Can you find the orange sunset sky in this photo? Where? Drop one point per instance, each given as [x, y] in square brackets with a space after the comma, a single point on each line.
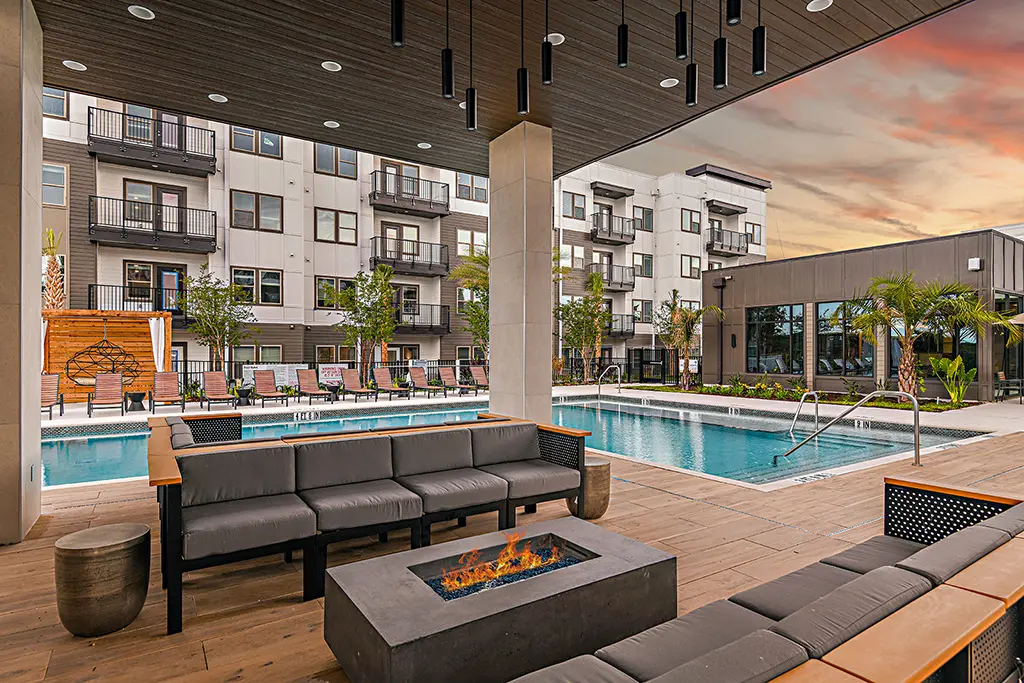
[919, 135]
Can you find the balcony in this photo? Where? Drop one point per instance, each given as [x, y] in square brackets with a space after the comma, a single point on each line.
[727, 243]
[133, 298]
[151, 143]
[422, 319]
[409, 196]
[125, 223]
[616, 278]
[614, 230]
[622, 325]
[409, 257]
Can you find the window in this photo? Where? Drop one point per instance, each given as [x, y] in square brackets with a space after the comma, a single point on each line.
[138, 278]
[841, 350]
[256, 142]
[244, 354]
[1006, 356]
[643, 310]
[473, 187]
[55, 103]
[690, 267]
[346, 353]
[270, 286]
[471, 242]
[325, 354]
[775, 339]
[243, 139]
[464, 296]
[270, 354]
[407, 298]
[335, 226]
[714, 265]
[643, 265]
[643, 218]
[55, 184]
[467, 354]
[246, 206]
[753, 231]
[579, 259]
[691, 221]
[574, 205]
[332, 160]
[936, 344]
[325, 286]
[138, 123]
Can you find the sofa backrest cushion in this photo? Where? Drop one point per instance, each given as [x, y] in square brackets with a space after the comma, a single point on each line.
[244, 472]
[342, 461]
[172, 420]
[941, 560]
[181, 436]
[1011, 521]
[431, 451]
[755, 658]
[495, 444]
[833, 619]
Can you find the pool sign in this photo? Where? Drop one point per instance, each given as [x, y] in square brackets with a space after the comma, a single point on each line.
[330, 373]
[284, 373]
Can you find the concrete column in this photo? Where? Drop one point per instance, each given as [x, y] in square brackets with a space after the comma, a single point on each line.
[520, 245]
[21, 217]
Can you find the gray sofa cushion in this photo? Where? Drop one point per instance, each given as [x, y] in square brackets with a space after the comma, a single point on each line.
[1011, 521]
[221, 528]
[181, 435]
[172, 421]
[941, 560]
[534, 477]
[658, 650]
[454, 489]
[447, 449]
[828, 622]
[585, 669]
[242, 472]
[361, 504]
[755, 658]
[494, 444]
[779, 598]
[880, 551]
[343, 461]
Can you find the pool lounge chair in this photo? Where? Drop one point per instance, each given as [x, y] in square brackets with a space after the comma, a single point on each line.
[310, 386]
[382, 376]
[1003, 387]
[351, 384]
[215, 390]
[418, 382]
[165, 391]
[50, 395]
[449, 381]
[266, 388]
[479, 377]
[108, 393]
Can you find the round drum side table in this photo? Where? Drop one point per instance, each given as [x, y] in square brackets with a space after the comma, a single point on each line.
[597, 482]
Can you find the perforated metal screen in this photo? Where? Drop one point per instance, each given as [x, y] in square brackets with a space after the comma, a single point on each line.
[213, 429]
[929, 516]
[561, 449]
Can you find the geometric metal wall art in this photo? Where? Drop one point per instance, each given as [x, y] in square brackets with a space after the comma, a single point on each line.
[102, 357]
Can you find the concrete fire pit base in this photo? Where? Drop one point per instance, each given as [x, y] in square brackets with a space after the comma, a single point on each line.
[385, 624]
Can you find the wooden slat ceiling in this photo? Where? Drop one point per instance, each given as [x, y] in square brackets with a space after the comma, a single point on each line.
[265, 56]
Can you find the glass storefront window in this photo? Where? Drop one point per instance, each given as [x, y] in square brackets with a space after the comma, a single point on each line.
[842, 350]
[775, 339]
[1006, 358]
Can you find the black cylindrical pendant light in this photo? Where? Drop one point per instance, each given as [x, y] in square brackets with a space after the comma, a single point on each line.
[721, 76]
[545, 51]
[691, 68]
[681, 52]
[398, 23]
[760, 46]
[733, 12]
[447, 63]
[522, 75]
[470, 91]
[623, 39]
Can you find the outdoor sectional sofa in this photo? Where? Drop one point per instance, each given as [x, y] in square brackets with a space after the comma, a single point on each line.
[934, 599]
[224, 500]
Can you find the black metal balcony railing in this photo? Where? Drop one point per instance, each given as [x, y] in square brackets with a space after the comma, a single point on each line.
[727, 242]
[621, 325]
[131, 223]
[616, 278]
[409, 256]
[404, 194]
[139, 298]
[140, 139]
[427, 318]
[612, 229]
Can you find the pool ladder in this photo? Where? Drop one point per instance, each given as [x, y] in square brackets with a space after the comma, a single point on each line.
[872, 395]
[618, 372]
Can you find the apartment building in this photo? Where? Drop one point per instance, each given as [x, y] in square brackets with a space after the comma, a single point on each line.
[144, 198]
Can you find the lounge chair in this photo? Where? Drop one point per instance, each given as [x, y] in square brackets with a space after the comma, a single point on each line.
[418, 382]
[449, 381]
[108, 393]
[310, 386]
[165, 391]
[1002, 388]
[351, 384]
[479, 376]
[215, 390]
[382, 376]
[266, 388]
[50, 395]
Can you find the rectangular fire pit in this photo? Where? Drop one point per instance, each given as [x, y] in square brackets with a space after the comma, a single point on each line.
[487, 609]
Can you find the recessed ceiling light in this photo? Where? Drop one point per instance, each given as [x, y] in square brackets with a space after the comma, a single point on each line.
[73, 65]
[140, 12]
[462, 105]
[556, 38]
[424, 145]
[331, 124]
[818, 5]
[219, 99]
[669, 83]
[331, 66]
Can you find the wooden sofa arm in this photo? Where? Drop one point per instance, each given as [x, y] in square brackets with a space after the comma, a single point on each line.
[927, 512]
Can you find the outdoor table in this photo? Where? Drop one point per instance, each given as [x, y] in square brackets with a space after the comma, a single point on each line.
[335, 389]
[136, 399]
[243, 396]
[597, 487]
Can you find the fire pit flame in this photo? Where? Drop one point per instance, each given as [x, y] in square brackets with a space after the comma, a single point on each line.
[511, 560]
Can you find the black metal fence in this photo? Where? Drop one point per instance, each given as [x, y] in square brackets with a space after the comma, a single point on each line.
[641, 366]
[134, 298]
[129, 130]
[389, 184]
[614, 277]
[132, 216]
[409, 255]
[605, 226]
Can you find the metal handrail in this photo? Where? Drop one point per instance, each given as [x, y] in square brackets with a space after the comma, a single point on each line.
[873, 394]
[800, 407]
[618, 371]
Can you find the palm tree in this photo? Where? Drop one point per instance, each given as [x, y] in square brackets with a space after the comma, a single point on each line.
[907, 310]
[473, 273]
[676, 323]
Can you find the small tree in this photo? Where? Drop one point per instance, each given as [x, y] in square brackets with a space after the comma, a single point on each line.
[54, 297]
[368, 313]
[584, 320]
[219, 313]
[474, 274]
[676, 323]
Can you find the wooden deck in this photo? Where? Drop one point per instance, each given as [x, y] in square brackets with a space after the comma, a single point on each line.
[248, 622]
